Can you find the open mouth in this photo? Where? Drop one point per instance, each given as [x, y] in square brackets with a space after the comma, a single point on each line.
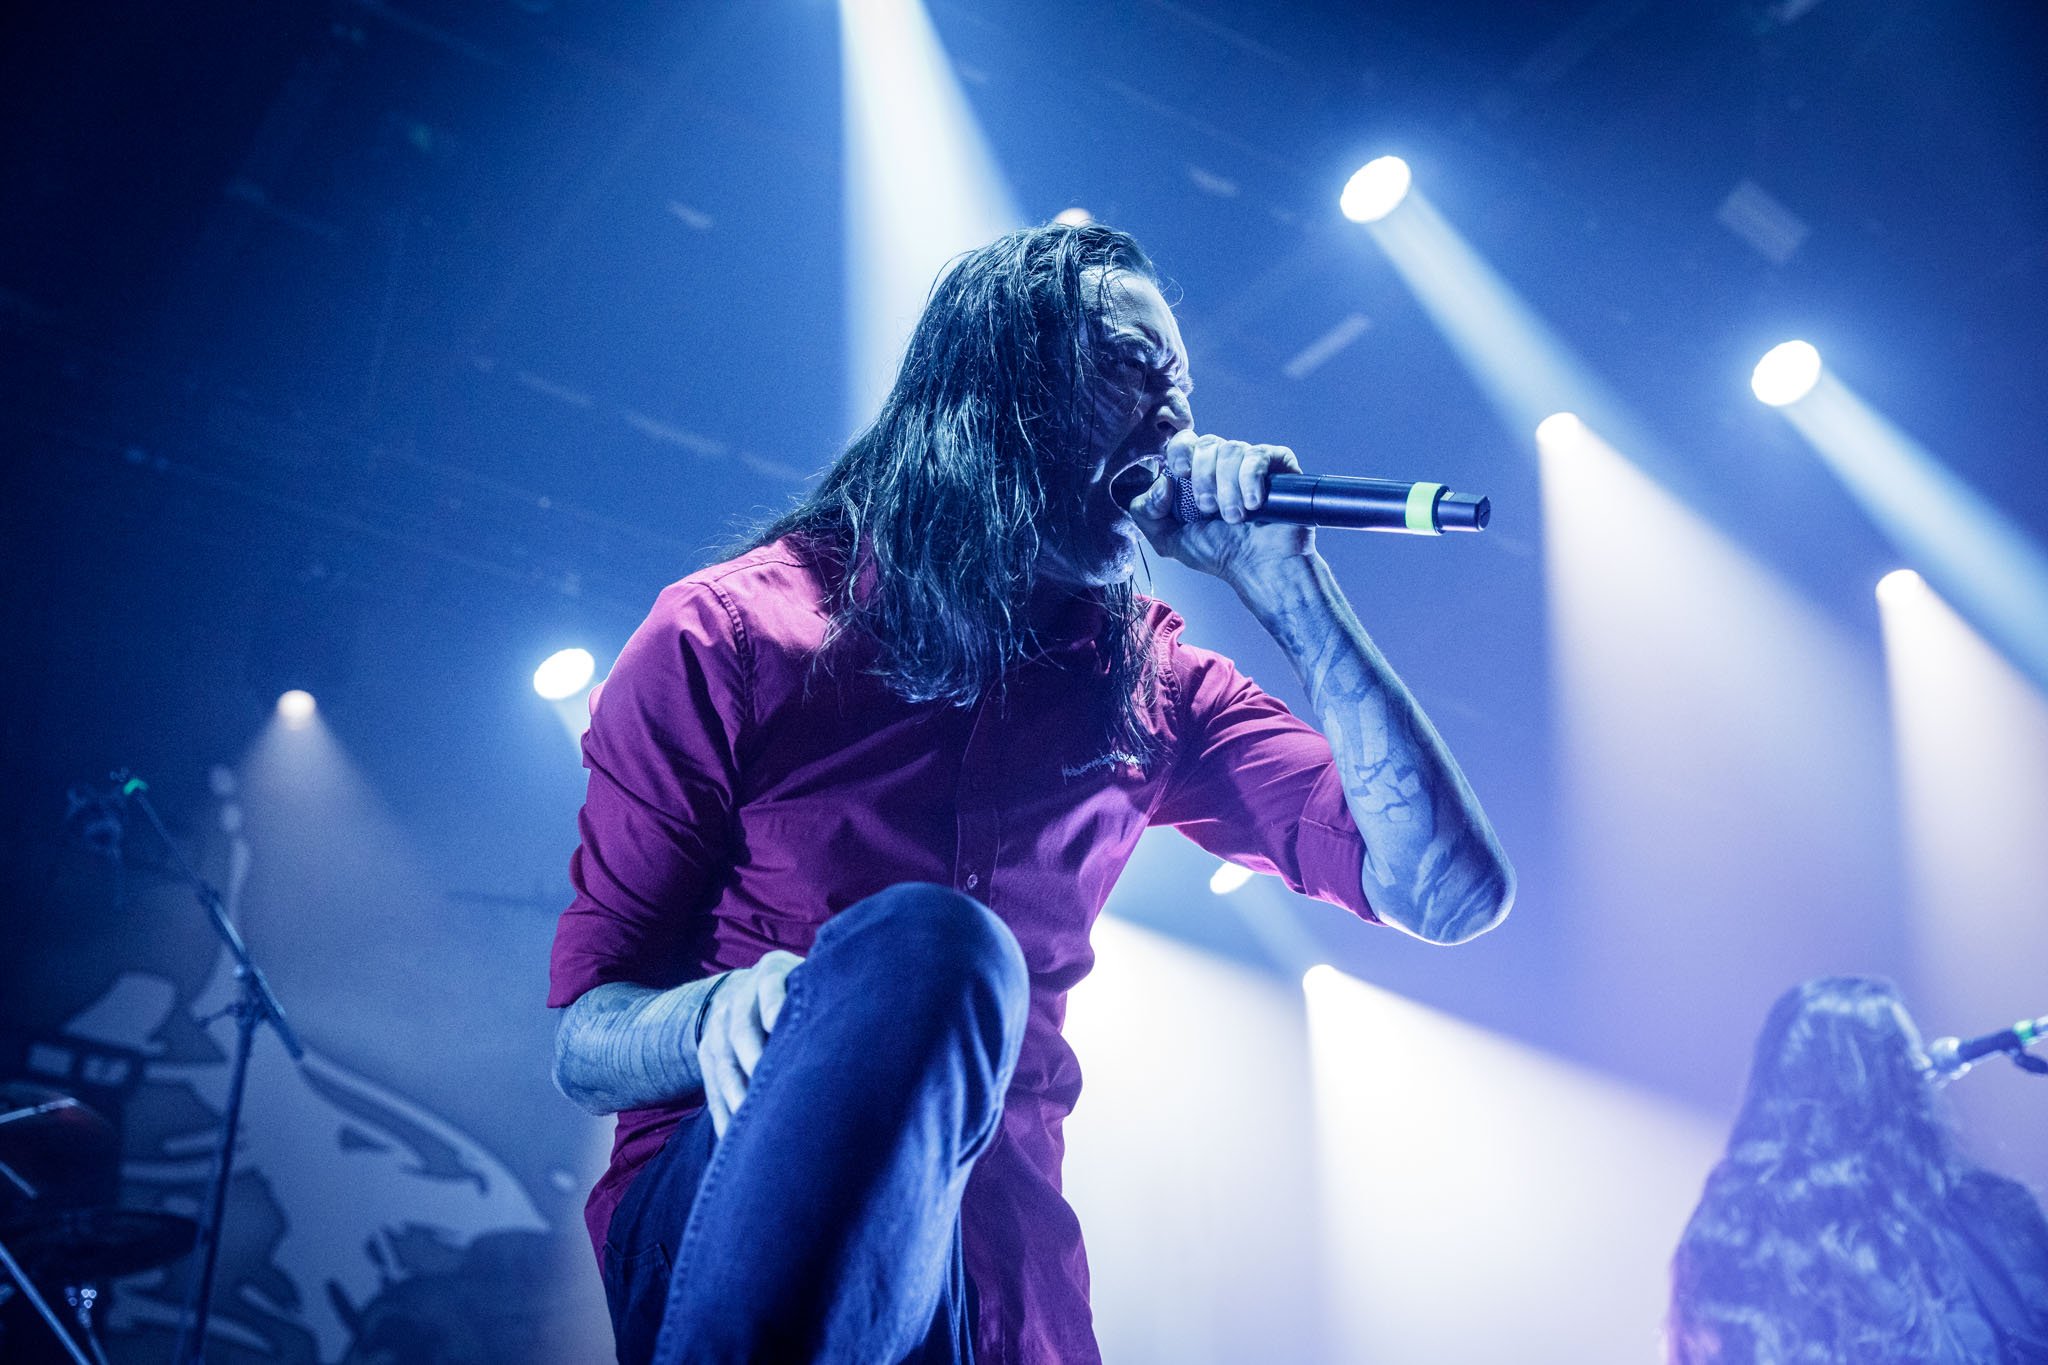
[1129, 485]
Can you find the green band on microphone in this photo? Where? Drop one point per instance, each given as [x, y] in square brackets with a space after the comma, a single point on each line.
[2027, 1031]
[1422, 508]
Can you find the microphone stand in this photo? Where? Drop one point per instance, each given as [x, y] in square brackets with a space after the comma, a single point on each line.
[254, 1004]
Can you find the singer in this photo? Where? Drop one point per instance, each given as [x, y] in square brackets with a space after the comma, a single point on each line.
[1845, 1224]
[857, 795]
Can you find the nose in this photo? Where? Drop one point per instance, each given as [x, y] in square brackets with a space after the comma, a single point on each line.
[1173, 415]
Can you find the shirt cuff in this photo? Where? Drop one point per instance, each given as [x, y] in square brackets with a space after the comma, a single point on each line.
[1329, 850]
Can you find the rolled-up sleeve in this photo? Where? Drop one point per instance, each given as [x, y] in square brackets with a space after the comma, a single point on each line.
[1256, 785]
[665, 727]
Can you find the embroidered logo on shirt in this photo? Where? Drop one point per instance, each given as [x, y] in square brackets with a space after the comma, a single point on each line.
[1116, 760]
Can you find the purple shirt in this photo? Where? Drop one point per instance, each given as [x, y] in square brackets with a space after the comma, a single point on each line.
[739, 798]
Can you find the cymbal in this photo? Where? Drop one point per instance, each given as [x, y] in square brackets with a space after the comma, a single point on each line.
[61, 1148]
[82, 1246]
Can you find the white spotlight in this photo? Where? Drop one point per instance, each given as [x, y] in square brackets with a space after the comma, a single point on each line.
[1560, 431]
[1899, 587]
[564, 673]
[1786, 374]
[1228, 877]
[295, 708]
[1074, 217]
[1376, 190]
[1320, 976]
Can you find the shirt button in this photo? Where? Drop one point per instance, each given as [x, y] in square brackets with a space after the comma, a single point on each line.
[973, 881]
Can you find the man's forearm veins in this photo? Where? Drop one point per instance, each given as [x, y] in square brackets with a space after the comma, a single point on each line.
[621, 1046]
[1431, 863]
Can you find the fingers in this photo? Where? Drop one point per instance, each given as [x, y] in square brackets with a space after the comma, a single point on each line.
[775, 986]
[714, 1100]
[749, 1034]
[736, 1030]
[1152, 508]
[1202, 471]
[725, 1084]
[1229, 477]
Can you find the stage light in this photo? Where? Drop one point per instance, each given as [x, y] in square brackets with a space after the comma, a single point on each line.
[1988, 566]
[1376, 190]
[921, 183]
[1560, 431]
[1524, 369]
[1682, 668]
[1228, 877]
[1971, 761]
[1786, 374]
[295, 708]
[1898, 586]
[564, 673]
[1074, 217]
[1581, 1206]
[1158, 1020]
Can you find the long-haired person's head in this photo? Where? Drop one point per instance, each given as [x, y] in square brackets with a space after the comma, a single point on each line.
[1822, 1234]
[1044, 365]
[1840, 1067]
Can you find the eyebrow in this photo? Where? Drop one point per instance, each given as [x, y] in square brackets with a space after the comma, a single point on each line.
[1140, 332]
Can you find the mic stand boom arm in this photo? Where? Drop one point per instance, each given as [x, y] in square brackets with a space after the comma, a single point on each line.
[255, 1004]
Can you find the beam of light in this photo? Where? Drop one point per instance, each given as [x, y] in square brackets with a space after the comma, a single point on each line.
[1972, 739]
[297, 709]
[1786, 374]
[1190, 1156]
[1562, 432]
[921, 184]
[1228, 877]
[573, 713]
[1460, 1166]
[344, 914]
[1723, 783]
[1899, 587]
[1521, 366]
[1376, 189]
[1969, 550]
[564, 674]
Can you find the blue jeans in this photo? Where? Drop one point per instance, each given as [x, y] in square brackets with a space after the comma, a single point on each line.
[825, 1224]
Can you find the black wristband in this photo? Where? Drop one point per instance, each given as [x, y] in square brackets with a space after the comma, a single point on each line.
[704, 1007]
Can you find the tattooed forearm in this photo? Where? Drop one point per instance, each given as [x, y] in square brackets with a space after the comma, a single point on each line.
[621, 1046]
[1432, 863]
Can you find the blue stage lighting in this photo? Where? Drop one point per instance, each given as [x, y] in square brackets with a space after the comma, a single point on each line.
[1899, 586]
[564, 673]
[1376, 190]
[1786, 374]
[1560, 432]
[295, 708]
[1228, 877]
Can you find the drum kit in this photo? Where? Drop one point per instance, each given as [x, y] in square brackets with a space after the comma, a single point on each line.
[60, 1159]
[62, 1236]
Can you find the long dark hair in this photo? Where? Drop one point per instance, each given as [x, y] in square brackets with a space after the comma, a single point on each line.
[935, 517]
[1830, 1231]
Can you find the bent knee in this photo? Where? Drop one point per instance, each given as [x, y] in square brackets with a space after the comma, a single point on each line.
[946, 938]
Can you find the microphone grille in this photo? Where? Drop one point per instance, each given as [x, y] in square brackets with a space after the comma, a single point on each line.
[1184, 505]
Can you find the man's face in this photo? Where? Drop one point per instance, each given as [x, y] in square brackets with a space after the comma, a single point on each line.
[1140, 403]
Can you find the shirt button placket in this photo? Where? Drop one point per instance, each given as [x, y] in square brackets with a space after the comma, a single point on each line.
[977, 818]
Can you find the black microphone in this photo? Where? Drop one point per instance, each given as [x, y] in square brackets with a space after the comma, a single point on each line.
[1426, 509]
[1953, 1056]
